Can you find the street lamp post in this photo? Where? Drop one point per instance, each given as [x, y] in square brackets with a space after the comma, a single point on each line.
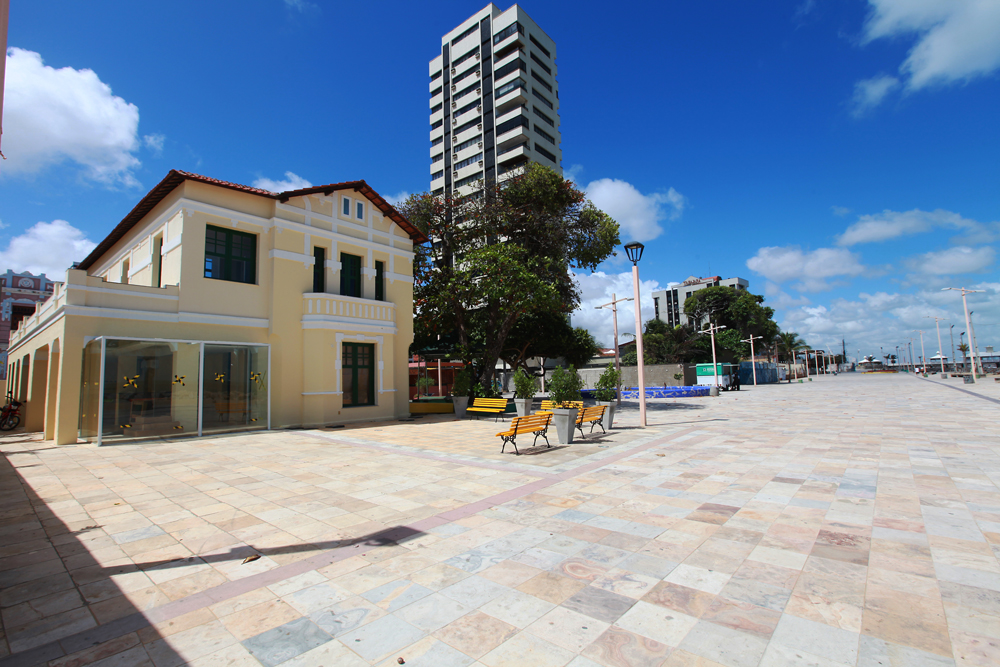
[614, 313]
[968, 326]
[753, 361]
[634, 252]
[954, 361]
[912, 368]
[937, 323]
[923, 352]
[974, 345]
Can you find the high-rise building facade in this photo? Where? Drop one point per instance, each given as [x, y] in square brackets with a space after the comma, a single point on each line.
[668, 304]
[494, 101]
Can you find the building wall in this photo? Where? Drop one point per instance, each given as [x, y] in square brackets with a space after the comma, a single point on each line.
[305, 331]
[18, 291]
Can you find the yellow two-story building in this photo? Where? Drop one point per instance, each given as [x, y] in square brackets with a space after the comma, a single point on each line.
[215, 306]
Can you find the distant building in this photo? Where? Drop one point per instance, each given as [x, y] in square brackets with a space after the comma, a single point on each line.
[19, 292]
[668, 304]
[494, 101]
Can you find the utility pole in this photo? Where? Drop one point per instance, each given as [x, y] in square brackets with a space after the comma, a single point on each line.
[614, 312]
[975, 346]
[753, 361]
[937, 322]
[712, 328]
[968, 324]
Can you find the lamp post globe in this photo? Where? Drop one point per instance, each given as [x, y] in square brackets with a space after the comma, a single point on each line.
[634, 251]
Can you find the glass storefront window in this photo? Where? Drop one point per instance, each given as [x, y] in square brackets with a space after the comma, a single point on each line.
[235, 388]
[151, 388]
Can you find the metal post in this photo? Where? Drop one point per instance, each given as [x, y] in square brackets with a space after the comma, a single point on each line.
[937, 323]
[100, 398]
[614, 314]
[923, 352]
[753, 360]
[954, 361]
[968, 327]
[201, 387]
[638, 346]
[975, 346]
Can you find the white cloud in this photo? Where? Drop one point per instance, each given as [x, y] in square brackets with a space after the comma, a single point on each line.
[154, 142]
[53, 115]
[869, 93]
[639, 215]
[596, 289]
[892, 224]
[811, 268]
[953, 261]
[889, 319]
[397, 198]
[292, 182]
[47, 247]
[956, 40]
[840, 211]
[573, 173]
[781, 300]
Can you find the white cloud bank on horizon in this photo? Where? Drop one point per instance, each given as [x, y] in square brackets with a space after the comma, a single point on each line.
[46, 247]
[638, 215]
[956, 41]
[886, 319]
[400, 196]
[292, 182]
[57, 115]
[811, 268]
[596, 289]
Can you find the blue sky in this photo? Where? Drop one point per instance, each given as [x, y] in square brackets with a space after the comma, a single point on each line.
[839, 154]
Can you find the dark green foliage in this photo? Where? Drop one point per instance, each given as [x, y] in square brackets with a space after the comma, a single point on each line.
[565, 385]
[607, 385]
[463, 381]
[500, 256]
[525, 386]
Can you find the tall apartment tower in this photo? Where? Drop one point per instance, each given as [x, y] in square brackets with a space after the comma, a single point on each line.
[494, 101]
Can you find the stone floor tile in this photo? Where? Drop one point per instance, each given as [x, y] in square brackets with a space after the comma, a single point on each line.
[527, 649]
[286, 641]
[330, 654]
[834, 643]
[567, 628]
[874, 652]
[434, 611]
[661, 624]
[475, 634]
[620, 647]
[724, 645]
[517, 608]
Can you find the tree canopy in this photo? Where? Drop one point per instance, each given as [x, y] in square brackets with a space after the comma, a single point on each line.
[740, 311]
[502, 254]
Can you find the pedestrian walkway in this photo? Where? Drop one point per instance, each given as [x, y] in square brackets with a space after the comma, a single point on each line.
[851, 520]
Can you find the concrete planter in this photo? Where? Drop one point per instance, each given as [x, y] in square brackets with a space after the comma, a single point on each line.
[460, 403]
[523, 406]
[565, 421]
[714, 390]
[609, 413]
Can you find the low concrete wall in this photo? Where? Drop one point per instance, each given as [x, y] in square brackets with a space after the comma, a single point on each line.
[656, 376]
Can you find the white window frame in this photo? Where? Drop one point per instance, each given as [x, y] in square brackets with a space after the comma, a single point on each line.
[347, 203]
[359, 210]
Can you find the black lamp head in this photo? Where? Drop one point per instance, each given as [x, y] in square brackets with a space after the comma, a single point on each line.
[634, 251]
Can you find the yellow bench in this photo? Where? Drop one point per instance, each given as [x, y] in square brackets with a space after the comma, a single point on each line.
[549, 405]
[593, 416]
[536, 423]
[494, 406]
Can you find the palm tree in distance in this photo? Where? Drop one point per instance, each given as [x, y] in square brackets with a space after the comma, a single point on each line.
[788, 343]
[964, 349]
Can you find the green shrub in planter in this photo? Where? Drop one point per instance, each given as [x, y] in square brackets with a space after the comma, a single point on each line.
[485, 391]
[607, 384]
[424, 385]
[565, 385]
[525, 386]
[463, 380]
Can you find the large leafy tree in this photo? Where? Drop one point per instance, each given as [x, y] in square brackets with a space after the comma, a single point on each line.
[502, 254]
[788, 343]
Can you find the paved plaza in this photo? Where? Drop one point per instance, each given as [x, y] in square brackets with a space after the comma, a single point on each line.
[851, 520]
